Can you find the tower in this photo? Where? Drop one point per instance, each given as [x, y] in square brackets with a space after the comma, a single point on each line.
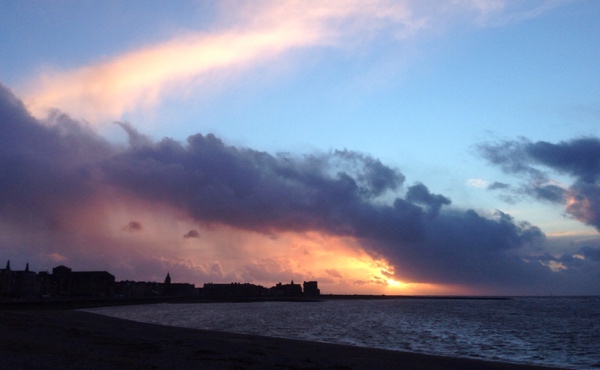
[167, 285]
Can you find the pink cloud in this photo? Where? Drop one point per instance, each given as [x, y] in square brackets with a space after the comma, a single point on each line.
[244, 37]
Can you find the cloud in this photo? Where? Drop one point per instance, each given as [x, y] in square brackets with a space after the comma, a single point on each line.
[498, 186]
[47, 172]
[477, 183]
[280, 269]
[244, 36]
[192, 234]
[76, 191]
[592, 253]
[537, 162]
[56, 257]
[133, 227]
[419, 194]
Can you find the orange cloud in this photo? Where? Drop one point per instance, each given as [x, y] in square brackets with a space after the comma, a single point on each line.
[248, 35]
[579, 206]
[141, 78]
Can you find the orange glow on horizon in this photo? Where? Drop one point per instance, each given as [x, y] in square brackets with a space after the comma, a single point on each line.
[223, 254]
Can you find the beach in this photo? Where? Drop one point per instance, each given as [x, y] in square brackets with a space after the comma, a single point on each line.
[51, 339]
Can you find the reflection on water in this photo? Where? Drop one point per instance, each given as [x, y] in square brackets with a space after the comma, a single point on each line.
[562, 332]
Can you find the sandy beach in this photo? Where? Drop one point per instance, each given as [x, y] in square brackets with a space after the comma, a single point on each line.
[68, 339]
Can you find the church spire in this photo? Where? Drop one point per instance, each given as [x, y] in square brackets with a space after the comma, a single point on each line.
[167, 285]
[8, 265]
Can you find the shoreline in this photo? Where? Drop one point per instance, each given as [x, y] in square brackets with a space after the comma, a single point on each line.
[48, 339]
[81, 303]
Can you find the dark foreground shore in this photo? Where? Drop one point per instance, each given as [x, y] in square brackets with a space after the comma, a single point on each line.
[52, 339]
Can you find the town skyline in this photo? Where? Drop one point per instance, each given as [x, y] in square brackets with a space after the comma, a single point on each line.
[65, 283]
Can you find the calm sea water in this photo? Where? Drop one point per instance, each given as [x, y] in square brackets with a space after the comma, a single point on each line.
[560, 332]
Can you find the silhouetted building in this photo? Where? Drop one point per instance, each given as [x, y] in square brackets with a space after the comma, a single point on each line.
[97, 284]
[17, 284]
[311, 288]
[286, 290]
[167, 285]
[61, 282]
[178, 289]
[6, 281]
[137, 289]
[66, 283]
[43, 284]
[140, 289]
[211, 290]
[183, 290]
[24, 283]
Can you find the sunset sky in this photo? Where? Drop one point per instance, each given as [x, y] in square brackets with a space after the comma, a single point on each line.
[384, 147]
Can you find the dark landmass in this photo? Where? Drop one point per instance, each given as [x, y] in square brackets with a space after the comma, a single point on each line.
[52, 339]
[103, 302]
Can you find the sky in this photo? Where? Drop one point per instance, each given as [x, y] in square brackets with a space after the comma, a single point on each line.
[378, 147]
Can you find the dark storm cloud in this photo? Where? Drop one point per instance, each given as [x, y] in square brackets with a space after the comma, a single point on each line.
[50, 171]
[419, 194]
[44, 170]
[377, 177]
[550, 193]
[579, 159]
[255, 190]
[462, 246]
[592, 253]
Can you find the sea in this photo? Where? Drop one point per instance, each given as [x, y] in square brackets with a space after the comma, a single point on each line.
[562, 332]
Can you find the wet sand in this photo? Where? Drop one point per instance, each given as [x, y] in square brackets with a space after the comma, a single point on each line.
[67, 339]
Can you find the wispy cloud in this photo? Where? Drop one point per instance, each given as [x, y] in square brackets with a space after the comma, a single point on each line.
[477, 183]
[264, 31]
[247, 35]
